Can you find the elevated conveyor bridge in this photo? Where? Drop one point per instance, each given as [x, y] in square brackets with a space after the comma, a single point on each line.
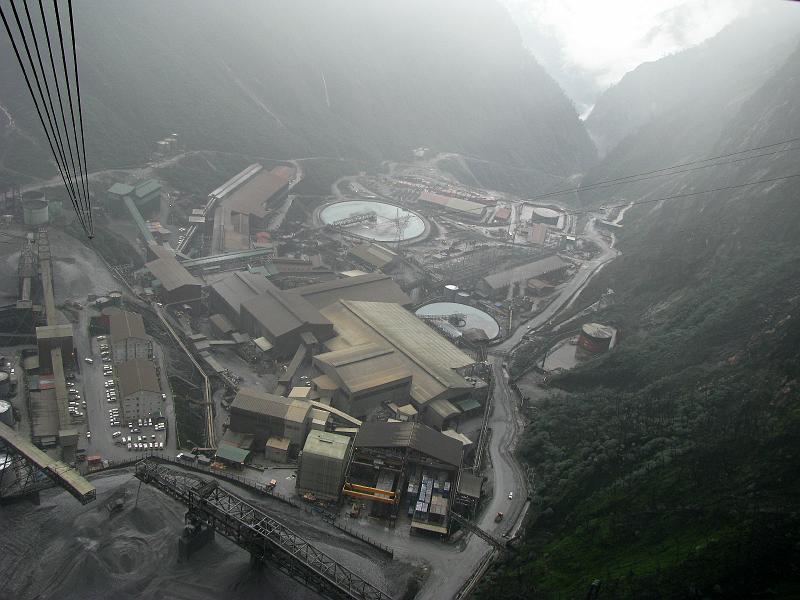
[24, 470]
[254, 530]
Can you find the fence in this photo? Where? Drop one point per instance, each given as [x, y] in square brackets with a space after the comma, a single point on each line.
[262, 489]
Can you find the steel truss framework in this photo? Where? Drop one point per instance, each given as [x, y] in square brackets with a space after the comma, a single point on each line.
[21, 477]
[252, 529]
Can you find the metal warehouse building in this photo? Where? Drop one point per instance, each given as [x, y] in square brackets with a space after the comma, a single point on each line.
[139, 389]
[497, 283]
[129, 340]
[175, 282]
[282, 319]
[408, 465]
[376, 287]
[398, 338]
[266, 415]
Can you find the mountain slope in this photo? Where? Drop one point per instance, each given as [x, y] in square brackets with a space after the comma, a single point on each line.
[665, 469]
[283, 79]
[711, 79]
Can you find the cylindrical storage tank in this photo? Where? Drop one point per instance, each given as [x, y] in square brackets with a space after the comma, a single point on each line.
[595, 337]
[450, 291]
[115, 298]
[34, 209]
[6, 412]
[545, 215]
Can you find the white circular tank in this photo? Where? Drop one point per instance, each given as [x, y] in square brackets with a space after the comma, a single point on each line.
[6, 413]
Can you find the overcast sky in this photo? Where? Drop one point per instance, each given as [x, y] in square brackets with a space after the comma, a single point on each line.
[588, 45]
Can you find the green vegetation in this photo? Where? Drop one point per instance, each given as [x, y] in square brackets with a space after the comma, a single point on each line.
[666, 469]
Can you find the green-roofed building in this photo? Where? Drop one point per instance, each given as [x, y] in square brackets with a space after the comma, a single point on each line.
[232, 454]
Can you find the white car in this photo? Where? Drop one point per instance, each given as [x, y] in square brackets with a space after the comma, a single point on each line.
[510, 495]
[88, 435]
[130, 445]
[88, 360]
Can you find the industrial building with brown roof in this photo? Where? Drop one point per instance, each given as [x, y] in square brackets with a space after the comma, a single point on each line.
[497, 282]
[177, 284]
[376, 287]
[227, 294]
[433, 362]
[416, 436]
[367, 376]
[374, 255]
[267, 415]
[281, 318]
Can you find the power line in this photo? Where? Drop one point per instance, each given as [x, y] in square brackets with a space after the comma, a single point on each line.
[52, 111]
[687, 194]
[61, 101]
[664, 170]
[80, 112]
[29, 85]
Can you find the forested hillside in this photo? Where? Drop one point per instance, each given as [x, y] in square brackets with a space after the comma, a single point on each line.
[284, 79]
[666, 469]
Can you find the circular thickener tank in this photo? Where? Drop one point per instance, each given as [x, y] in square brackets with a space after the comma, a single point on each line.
[6, 413]
[390, 224]
[468, 317]
[596, 337]
[545, 215]
[34, 211]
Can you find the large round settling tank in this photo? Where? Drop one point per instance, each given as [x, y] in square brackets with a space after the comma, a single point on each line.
[34, 209]
[595, 337]
[454, 318]
[390, 223]
[547, 216]
[6, 412]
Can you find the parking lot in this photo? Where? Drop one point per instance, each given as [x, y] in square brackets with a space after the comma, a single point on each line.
[108, 434]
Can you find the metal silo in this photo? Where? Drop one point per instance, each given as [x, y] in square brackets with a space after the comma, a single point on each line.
[6, 413]
[34, 209]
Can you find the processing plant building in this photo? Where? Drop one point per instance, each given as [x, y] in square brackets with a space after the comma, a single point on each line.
[377, 345]
[266, 416]
[139, 389]
[322, 465]
[129, 341]
[406, 465]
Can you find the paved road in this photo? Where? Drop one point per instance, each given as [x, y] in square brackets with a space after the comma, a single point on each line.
[567, 292]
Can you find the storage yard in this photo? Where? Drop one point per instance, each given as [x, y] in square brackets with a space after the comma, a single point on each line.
[344, 366]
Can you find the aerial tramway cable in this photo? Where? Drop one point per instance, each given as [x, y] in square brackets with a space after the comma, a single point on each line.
[75, 179]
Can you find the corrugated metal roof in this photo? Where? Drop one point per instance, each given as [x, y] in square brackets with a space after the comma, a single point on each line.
[280, 313]
[278, 442]
[126, 325]
[251, 196]
[420, 437]
[232, 453]
[373, 254]
[53, 331]
[137, 375]
[376, 287]
[323, 443]
[430, 358]
[525, 272]
[147, 187]
[365, 367]
[239, 287]
[271, 405]
[221, 322]
[171, 274]
[450, 203]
